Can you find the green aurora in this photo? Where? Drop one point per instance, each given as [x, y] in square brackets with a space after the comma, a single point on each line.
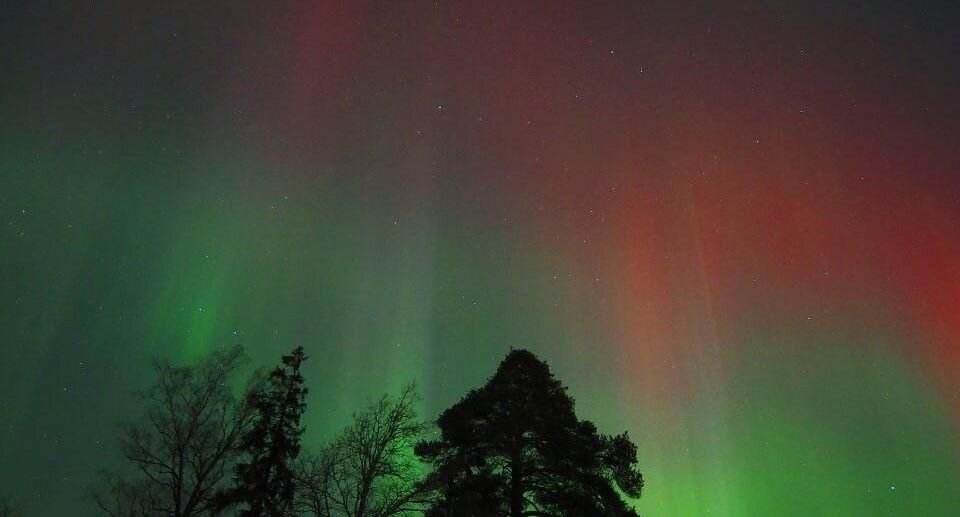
[160, 197]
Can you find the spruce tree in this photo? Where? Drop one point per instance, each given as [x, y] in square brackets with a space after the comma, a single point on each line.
[265, 481]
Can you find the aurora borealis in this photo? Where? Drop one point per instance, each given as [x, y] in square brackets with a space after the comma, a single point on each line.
[731, 228]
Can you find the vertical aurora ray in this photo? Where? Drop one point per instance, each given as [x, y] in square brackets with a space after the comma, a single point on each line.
[732, 230]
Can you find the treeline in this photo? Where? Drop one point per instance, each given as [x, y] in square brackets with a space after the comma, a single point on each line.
[513, 447]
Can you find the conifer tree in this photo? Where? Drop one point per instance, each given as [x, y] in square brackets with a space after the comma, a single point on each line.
[516, 448]
[265, 481]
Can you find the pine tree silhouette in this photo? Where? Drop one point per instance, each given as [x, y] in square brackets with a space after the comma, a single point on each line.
[515, 447]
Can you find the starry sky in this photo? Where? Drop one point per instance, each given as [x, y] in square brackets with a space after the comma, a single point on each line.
[732, 228]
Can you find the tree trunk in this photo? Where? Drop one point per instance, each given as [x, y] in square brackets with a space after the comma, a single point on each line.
[516, 484]
[363, 496]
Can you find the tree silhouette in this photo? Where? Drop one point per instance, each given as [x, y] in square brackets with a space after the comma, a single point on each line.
[369, 470]
[516, 448]
[315, 483]
[265, 481]
[182, 450]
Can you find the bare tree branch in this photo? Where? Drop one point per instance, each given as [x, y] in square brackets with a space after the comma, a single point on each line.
[181, 451]
[370, 470]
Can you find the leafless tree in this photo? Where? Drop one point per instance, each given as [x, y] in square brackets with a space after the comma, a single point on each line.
[370, 469]
[314, 481]
[183, 449]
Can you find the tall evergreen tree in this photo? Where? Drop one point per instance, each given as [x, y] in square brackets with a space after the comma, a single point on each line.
[265, 482]
[516, 448]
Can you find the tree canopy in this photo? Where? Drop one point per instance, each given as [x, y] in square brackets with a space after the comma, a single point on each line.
[511, 448]
[515, 447]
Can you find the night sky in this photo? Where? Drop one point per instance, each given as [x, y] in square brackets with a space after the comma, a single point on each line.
[732, 228]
